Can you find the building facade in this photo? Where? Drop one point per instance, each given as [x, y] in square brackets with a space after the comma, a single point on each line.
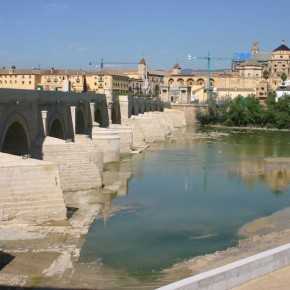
[247, 76]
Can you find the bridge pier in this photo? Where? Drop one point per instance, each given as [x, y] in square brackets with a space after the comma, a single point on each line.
[73, 135]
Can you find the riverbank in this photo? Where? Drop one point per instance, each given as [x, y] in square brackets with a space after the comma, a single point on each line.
[255, 237]
[47, 254]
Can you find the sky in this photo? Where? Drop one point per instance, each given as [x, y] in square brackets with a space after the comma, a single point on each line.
[72, 33]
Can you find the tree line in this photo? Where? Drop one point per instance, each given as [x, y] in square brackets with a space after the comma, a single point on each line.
[247, 112]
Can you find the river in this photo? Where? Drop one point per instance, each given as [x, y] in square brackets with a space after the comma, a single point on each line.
[186, 197]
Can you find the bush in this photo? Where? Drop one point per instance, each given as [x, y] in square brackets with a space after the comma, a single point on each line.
[247, 111]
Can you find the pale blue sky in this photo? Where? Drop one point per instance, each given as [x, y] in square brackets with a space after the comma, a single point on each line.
[71, 33]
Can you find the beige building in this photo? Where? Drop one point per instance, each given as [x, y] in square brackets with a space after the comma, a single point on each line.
[224, 83]
[143, 80]
[20, 78]
[107, 81]
[45, 79]
[62, 80]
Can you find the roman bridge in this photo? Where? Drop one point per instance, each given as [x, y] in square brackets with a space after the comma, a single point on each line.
[27, 115]
[57, 142]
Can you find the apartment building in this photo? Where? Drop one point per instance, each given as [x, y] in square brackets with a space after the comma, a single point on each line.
[13, 78]
[107, 81]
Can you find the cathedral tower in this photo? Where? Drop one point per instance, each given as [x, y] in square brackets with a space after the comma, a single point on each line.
[255, 48]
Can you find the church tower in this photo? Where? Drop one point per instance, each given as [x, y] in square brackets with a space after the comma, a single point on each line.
[255, 48]
[142, 68]
[176, 70]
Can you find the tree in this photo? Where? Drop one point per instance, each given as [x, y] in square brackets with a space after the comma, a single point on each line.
[266, 74]
[283, 77]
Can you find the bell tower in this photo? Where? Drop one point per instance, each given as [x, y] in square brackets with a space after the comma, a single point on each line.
[255, 48]
[142, 68]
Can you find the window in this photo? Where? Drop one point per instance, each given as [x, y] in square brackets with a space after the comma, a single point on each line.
[23, 82]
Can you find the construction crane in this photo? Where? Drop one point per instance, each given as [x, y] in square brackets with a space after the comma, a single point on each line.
[208, 58]
[102, 63]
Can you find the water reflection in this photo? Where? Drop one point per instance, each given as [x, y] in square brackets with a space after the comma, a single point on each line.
[273, 172]
[186, 197]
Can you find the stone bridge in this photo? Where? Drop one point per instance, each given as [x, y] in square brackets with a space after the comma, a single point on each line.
[27, 115]
[55, 142]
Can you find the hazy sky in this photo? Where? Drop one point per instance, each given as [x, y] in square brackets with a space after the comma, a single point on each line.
[72, 33]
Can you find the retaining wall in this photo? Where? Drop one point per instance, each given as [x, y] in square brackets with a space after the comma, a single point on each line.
[236, 273]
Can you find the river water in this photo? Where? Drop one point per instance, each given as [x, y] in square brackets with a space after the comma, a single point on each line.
[186, 197]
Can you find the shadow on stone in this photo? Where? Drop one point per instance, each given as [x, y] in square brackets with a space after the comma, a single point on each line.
[5, 259]
[71, 211]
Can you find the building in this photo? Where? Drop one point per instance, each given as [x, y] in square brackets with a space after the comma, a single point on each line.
[63, 80]
[143, 80]
[246, 78]
[14, 78]
[107, 81]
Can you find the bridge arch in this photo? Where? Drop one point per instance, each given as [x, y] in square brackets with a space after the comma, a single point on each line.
[133, 111]
[15, 139]
[80, 122]
[114, 116]
[99, 117]
[56, 128]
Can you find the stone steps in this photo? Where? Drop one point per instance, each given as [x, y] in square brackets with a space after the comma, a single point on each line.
[30, 190]
[78, 171]
[37, 213]
[30, 202]
[94, 151]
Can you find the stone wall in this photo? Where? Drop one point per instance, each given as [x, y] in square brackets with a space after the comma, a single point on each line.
[189, 111]
[30, 190]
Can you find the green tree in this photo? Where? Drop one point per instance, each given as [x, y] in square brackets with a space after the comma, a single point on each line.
[283, 77]
[266, 74]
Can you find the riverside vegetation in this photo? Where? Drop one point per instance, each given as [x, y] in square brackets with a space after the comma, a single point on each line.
[247, 112]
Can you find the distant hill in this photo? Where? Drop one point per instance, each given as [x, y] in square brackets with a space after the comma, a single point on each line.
[189, 71]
